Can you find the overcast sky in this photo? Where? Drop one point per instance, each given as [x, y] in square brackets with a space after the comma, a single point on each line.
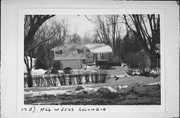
[77, 24]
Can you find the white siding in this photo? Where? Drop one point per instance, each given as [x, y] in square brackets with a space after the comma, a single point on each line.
[74, 64]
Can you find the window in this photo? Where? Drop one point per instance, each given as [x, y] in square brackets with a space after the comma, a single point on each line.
[102, 56]
[79, 50]
[59, 52]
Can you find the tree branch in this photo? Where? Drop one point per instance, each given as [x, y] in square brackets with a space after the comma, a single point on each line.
[127, 24]
[147, 34]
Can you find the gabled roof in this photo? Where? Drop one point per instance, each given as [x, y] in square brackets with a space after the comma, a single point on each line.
[99, 48]
[69, 47]
[94, 48]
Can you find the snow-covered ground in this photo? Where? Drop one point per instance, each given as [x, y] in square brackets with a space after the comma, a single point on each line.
[122, 83]
[100, 95]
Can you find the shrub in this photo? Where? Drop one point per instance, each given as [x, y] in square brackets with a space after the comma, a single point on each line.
[67, 70]
[56, 65]
[138, 60]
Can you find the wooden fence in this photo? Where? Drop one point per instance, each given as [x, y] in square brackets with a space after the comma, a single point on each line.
[52, 80]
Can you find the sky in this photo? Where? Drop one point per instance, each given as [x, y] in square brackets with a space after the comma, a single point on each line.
[77, 24]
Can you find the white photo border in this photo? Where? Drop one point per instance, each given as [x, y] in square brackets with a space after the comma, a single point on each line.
[12, 31]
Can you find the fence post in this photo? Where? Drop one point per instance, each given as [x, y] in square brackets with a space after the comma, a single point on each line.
[60, 80]
[83, 79]
[66, 79]
[96, 78]
[73, 79]
[78, 78]
[90, 78]
[86, 78]
[107, 78]
[57, 81]
[93, 78]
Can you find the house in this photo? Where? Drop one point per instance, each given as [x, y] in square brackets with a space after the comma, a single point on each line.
[101, 52]
[69, 55]
[76, 55]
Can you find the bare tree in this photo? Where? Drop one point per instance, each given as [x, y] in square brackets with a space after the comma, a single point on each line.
[103, 30]
[75, 38]
[89, 38]
[113, 22]
[54, 33]
[147, 30]
[108, 29]
[59, 32]
[31, 25]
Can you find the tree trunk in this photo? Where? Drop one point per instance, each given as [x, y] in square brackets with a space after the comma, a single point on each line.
[29, 79]
[153, 59]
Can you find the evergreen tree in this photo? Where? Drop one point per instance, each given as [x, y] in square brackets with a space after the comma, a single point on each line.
[41, 58]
